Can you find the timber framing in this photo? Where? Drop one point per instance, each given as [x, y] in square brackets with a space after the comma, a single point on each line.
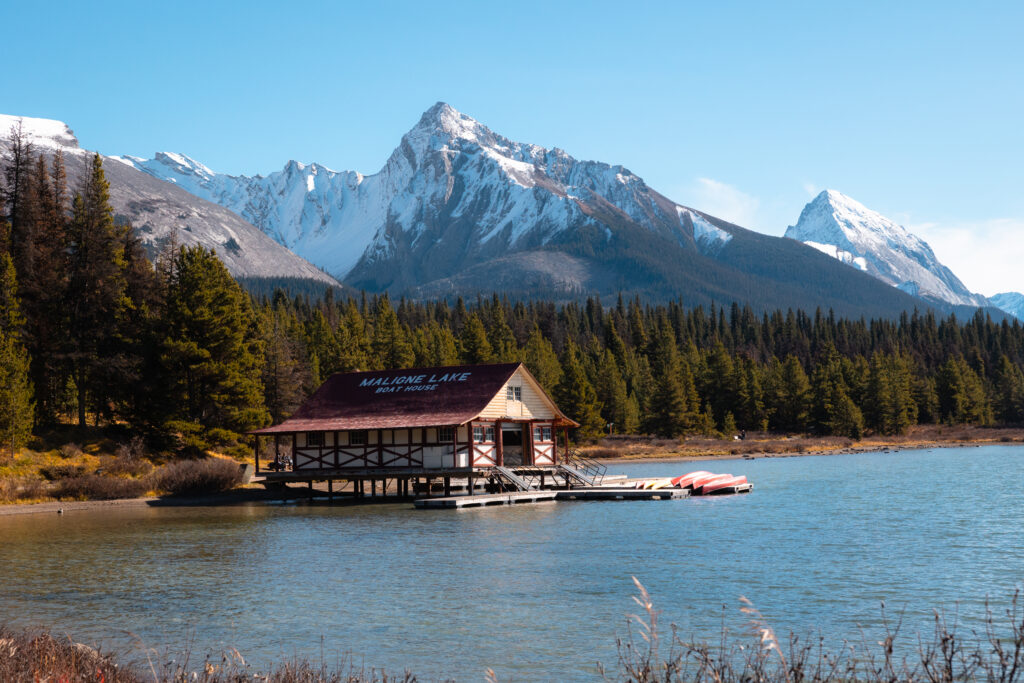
[417, 423]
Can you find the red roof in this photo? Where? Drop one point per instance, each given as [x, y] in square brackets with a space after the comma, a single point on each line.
[389, 399]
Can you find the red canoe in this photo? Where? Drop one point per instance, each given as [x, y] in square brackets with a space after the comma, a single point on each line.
[723, 486]
[686, 480]
[703, 480]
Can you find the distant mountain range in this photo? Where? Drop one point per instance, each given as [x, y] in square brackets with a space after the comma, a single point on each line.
[459, 210]
[161, 212]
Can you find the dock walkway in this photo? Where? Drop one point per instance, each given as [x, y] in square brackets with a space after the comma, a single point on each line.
[545, 496]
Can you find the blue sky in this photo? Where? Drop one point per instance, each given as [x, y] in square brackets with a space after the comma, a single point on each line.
[743, 110]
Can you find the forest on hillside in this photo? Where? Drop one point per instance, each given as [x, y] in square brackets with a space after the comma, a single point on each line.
[94, 332]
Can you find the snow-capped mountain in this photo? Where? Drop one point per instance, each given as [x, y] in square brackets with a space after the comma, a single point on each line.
[160, 212]
[458, 209]
[1011, 302]
[450, 174]
[848, 231]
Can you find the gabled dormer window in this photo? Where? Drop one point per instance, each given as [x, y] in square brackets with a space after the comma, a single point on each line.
[515, 393]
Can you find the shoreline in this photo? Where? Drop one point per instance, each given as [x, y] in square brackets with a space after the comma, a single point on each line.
[253, 494]
[756, 455]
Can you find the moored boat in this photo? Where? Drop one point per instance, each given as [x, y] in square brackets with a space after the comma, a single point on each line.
[724, 486]
[699, 482]
[686, 481]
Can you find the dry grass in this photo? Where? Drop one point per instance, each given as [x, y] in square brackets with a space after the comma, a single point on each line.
[198, 477]
[996, 655]
[946, 655]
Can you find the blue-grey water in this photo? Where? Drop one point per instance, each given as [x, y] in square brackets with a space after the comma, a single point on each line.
[535, 592]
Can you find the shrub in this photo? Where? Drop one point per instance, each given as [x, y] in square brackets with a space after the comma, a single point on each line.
[70, 450]
[125, 466]
[55, 472]
[13, 489]
[135, 449]
[196, 477]
[99, 487]
[34, 656]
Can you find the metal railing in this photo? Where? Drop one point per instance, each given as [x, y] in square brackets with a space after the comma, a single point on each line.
[588, 469]
[511, 480]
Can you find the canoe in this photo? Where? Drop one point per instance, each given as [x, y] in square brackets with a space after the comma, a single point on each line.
[705, 478]
[700, 485]
[686, 480]
[660, 484]
[723, 486]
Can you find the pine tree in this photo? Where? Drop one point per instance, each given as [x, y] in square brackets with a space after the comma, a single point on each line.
[788, 394]
[96, 283]
[668, 408]
[575, 395]
[286, 379]
[16, 405]
[390, 347]
[211, 351]
[541, 360]
[474, 347]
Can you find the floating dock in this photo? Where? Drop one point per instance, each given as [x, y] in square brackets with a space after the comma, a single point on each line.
[547, 496]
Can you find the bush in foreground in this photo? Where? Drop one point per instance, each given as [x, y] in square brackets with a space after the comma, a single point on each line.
[197, 477]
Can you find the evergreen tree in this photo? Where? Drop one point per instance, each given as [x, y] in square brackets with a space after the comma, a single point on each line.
[575, 395]
[212, 350]
[95, 293]
[474, 347]
[16, 405]
[390, 347]
[668, 409]
[541, 360]
[788, 394]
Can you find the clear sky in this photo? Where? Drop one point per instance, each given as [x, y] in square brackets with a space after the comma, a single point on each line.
[743, 110]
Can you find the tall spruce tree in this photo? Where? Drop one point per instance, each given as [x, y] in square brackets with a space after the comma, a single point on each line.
[668, 408]
[16, 405]
[96, 284]
[212, 349]
[575, 395]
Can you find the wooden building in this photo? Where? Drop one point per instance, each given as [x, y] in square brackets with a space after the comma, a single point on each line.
[442, 420]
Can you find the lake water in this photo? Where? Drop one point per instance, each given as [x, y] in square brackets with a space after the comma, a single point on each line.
[535, 592]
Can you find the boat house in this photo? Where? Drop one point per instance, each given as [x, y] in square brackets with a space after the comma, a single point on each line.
[439, 422]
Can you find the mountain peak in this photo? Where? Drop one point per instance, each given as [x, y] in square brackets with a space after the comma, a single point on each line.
[845, 229]
[48, 133]
[444, 121]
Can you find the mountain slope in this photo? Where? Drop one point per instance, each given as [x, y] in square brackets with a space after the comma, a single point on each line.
[1011, 302]
[850, 232]
[458, 209]
[160, 212]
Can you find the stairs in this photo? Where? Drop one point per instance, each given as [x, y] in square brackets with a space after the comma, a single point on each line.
[510, 479]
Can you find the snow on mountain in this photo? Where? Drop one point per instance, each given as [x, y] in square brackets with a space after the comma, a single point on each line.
[160, 213]
[854, 234]
[42, 133]
[1011, 302]
[452, 188]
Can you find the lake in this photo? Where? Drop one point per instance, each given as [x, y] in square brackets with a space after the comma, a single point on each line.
[536, 592]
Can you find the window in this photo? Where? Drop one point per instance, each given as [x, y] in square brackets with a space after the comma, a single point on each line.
[314, 438]
[515, 393]
[483, 434]
[542, 434]
[445, 434]
[357, 438]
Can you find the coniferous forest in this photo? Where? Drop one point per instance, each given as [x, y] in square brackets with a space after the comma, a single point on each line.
[93, 332]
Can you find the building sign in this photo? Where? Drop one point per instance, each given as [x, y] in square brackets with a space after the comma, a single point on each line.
[390, 385]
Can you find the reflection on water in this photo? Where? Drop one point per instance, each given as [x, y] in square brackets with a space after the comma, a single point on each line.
[535, 592]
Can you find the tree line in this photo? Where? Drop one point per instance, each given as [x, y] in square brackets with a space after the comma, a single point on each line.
[92, 331]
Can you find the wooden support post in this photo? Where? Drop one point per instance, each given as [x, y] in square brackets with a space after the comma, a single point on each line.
[447, 486]
[542, 479]
[499, 449]
[256, 453]
[469, 484]
[373, 488]
[330, 490]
